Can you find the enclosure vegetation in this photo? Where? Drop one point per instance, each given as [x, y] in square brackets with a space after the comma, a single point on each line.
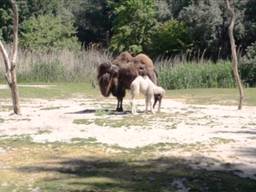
[187, 39]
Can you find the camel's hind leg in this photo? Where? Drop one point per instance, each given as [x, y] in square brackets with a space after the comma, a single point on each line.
[159, 105]
[133, 102]
[151, 104]
[148, 103]
[134, 110]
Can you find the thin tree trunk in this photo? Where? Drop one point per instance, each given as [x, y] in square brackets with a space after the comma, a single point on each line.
[10, 63]
[234, 53]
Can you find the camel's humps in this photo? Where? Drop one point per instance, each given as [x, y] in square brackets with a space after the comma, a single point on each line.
[142, 84]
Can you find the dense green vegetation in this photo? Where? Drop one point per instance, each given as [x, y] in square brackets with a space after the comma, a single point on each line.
[198, 25]
[196, 75]
[195, 30]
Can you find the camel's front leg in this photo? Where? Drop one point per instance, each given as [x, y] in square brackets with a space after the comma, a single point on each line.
[134, 106]
[146, 103]
[150, 104]
[119, 107]
[159, 104]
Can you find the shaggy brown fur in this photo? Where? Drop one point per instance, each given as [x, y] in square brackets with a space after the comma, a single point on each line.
[107, 78]
[124, 57]
[115, 78]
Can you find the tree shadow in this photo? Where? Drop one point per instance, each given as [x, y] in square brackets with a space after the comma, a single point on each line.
[153, 175]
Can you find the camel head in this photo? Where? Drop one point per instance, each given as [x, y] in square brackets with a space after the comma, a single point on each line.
[107, 75]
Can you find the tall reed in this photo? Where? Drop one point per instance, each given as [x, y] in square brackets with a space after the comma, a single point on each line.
[39, 66]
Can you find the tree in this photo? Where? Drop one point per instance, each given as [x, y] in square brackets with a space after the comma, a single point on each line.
[92, 18]
[234, 53]
[170, 38]
[134, 22]
[10, 61]
[47, 32]
[204, 20]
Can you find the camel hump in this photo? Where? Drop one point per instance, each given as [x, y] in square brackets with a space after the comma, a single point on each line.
[144, 59]
[124, 57]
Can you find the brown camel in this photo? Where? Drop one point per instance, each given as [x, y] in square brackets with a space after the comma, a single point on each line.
[117, 76]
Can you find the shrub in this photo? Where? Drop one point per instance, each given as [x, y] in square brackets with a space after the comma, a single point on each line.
[170, 38]
[247, 67]
[134, 22]
[47, 32]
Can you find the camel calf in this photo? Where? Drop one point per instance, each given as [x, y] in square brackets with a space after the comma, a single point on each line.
[142, 84]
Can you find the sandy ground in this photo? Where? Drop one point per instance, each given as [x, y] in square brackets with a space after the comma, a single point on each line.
[212, 136]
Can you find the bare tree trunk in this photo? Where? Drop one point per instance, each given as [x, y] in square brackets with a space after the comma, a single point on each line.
[234, 53]
[10, 63]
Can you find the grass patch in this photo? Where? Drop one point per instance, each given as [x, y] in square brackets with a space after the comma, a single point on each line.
[28, 166]
[84, 141]
[59, 91]
[82, 121]
[193, 96]
[127, 121]
[43, 132]
[213, 96]
[219, 140]
[102, 112]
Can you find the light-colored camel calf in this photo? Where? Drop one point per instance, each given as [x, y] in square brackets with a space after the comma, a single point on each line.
[142, 84]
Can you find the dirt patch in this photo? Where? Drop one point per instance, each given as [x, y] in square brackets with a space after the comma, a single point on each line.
[180, 130]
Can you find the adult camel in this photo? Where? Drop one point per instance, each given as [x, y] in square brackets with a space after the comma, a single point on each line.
[115, 77]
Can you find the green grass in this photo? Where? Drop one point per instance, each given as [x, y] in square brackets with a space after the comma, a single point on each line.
[54, 91]
[213, 96]
[222, 96]
[127, 121]
[82, 121]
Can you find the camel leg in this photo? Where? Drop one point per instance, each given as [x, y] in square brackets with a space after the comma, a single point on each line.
[120, 95]
[159, 104]
[119, 107]
[133, 106]
[150, 104]
[155, 100]
[146, 103]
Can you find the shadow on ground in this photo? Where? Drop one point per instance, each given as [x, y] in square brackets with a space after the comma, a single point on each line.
[107, 111]
[155, 175]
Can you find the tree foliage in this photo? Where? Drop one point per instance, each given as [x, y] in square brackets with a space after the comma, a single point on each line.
[171, 38]
[92, 18]
[47, 32]
[45, 24]
[135, 25]
[134, 22]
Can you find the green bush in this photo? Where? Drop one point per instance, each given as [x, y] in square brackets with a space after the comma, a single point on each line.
[48, 33]
[248, 72]
[134, 22]
[171, 38]
[195, 75]
[247, 67]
